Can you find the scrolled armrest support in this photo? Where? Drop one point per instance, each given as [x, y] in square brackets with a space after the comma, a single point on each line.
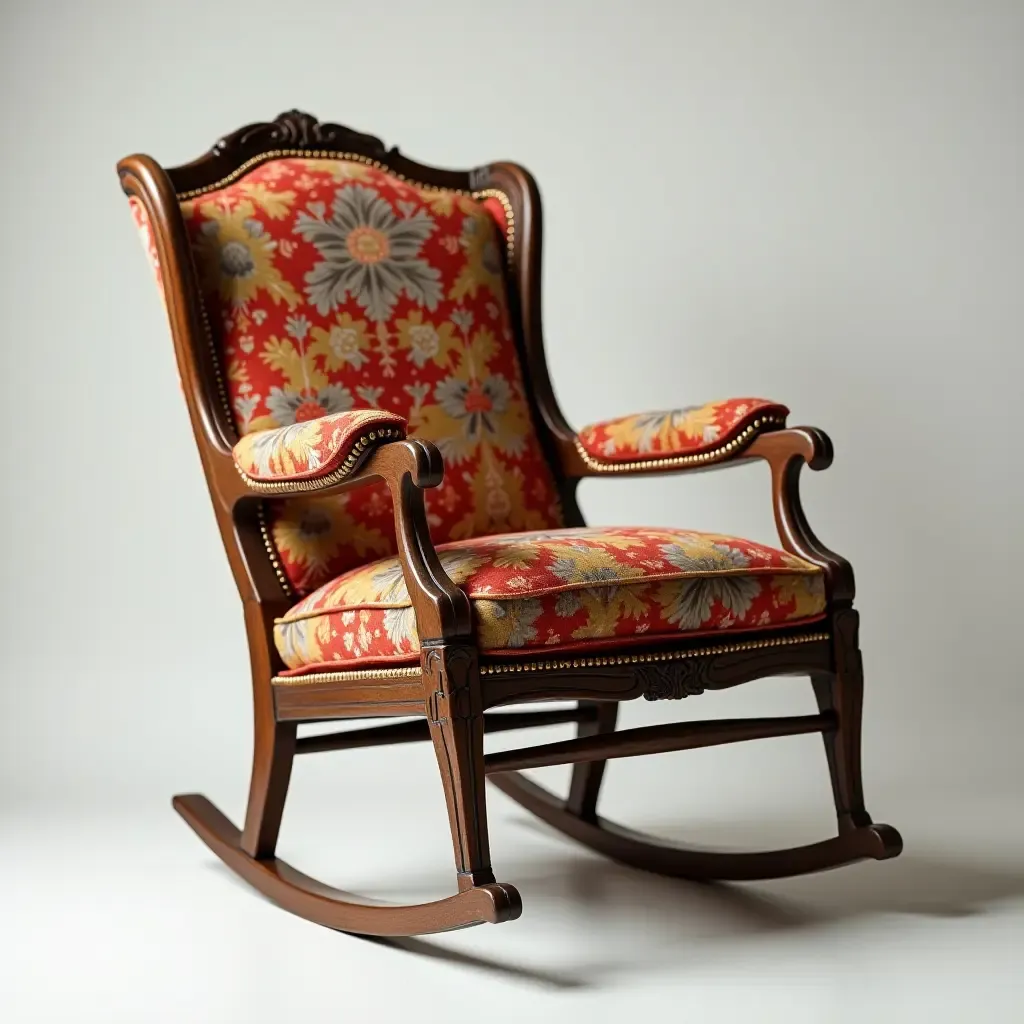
[787, 452]
[408, 467]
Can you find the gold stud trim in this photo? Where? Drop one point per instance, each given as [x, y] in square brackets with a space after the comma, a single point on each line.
[506, 668]
[346, 469]
[722, 452]
[268, 543]
[218, 373]
[597, 661]
[510, 217]
[354, 676]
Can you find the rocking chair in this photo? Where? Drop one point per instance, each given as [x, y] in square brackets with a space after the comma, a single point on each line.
[359, 343]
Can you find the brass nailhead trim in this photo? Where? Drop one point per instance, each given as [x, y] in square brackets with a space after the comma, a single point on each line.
[330, 479]
[510, 217]
[712, 455]
[268, 543]
[348, 677]
[218, 373]
[499, 668]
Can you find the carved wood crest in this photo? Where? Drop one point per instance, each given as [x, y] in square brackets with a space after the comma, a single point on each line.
[295, 129]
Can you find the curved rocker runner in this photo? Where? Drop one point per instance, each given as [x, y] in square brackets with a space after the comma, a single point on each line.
[341, 316]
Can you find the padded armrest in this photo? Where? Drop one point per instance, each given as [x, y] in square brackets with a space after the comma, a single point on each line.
[319, 451]
[676, 438]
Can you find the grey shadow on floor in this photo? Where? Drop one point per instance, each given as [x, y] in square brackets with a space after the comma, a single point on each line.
[424, 947]
[703, 919]
[921, 882]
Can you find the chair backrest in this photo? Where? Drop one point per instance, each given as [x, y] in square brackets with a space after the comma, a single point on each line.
[331, 278]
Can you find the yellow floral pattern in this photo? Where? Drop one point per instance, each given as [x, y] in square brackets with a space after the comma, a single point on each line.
[331, 286]
[688, 431]
[310, 448]
[559, 589]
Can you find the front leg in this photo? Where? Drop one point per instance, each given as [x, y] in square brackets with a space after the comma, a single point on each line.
[841, 691]
[451, 679]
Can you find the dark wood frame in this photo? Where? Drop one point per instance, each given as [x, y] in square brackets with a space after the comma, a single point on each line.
[454, 689]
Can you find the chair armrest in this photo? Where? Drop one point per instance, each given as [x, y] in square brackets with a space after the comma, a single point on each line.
[407, 467]
[675, 439]
[732, 432]
[314, 454]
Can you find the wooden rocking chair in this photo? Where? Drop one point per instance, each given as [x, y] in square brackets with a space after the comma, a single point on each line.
[359, 343]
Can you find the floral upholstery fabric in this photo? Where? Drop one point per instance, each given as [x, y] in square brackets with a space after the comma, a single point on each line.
[312, 448]
[145, 230]
[689, 431]
[333, 285]
[560, 590]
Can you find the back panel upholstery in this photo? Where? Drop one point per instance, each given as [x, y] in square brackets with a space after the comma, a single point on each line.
[332, 285]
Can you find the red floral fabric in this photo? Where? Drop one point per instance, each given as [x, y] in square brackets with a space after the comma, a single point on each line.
[145, 230]
[331, 285]
[560, 589]
[312, 448]
[690, 431]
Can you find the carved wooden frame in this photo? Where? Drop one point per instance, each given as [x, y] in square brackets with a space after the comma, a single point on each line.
[455, 685]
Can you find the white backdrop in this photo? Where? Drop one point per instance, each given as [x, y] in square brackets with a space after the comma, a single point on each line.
[815, 202]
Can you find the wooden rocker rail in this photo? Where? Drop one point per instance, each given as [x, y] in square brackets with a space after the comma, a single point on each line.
[870, 842]
[305, 896]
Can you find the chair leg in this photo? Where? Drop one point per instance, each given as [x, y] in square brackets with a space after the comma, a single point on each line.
[455, 716]
[841, 692]
[588, 775]
[273, 753]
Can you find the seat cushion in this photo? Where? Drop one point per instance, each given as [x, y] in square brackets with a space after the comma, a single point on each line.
[560, 590]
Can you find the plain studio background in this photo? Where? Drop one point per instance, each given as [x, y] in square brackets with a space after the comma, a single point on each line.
[814, 202]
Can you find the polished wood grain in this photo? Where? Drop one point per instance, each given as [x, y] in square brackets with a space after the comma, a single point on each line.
[418, 730]
[656, 739]
[335, 908]
[450, 694]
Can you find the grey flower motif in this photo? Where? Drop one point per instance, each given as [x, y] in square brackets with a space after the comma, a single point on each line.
[417, 392]
[572, 571]
[400, 626]
[477, 404]
[389, 582]
[568, 603]
[690, 606]
[297, 326]
[370, 394]
[463, 319]
[245, 405]
[287, 408]
[692, 599]
[368, 252]
[236, 259]
[713, 558]
[522, 613]
[292, 639]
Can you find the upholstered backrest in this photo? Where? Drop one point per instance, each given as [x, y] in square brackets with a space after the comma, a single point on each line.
[331, 284]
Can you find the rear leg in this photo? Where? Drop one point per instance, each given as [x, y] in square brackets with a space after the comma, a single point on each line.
[273, 753]
[588, 775]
